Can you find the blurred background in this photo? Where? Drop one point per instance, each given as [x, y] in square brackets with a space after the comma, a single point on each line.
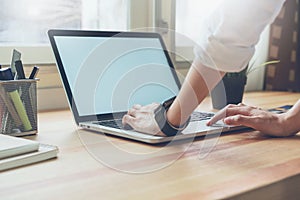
[24, 25]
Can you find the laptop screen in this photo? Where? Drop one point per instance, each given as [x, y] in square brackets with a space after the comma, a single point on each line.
[110, 73]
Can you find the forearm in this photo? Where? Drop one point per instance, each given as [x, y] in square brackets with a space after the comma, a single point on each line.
[199, 81]
[292, 119]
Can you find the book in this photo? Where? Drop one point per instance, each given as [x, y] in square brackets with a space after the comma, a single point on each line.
[12, 146]
[16, 152]
[44, 152]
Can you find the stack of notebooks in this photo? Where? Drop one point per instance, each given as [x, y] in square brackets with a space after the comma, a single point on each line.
[16, 152]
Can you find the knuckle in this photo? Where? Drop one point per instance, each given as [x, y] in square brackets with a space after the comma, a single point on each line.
[239, 117]
[137, 106]
[229, 110]
[128, 118]
[250, 108]
[154, 105]
[131, 111]
[229, 107]
[125, 118]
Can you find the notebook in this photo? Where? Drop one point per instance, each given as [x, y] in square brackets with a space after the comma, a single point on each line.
[106, 73]
[12, 146]
[16, 152]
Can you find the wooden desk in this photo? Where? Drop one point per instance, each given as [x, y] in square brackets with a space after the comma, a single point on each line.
[238, 166]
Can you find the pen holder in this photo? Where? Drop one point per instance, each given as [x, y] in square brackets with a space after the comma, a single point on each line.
[18, 107]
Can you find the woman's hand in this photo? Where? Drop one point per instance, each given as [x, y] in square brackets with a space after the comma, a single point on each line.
[256, 118]
[141, 119]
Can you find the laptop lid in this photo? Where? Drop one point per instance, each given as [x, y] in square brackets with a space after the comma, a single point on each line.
[106, 73]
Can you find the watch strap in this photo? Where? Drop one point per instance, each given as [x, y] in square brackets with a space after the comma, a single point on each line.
[161, 118]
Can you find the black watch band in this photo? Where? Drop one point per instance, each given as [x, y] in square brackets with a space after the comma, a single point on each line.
[161, 119]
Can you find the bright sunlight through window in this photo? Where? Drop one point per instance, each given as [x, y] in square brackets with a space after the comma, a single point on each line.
[26, 22]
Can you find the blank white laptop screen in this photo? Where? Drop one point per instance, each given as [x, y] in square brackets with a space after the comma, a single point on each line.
[111, 74]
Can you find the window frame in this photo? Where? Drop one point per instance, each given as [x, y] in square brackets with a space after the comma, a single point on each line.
[51, 95]
[255, 79]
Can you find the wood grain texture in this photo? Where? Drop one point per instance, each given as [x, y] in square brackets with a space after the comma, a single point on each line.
[243, 165]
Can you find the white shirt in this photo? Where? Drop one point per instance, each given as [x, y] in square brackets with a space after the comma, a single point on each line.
[231, 32]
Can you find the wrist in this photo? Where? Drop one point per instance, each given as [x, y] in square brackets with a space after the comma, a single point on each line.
[166, 127]
[175, 118]
[289, 123]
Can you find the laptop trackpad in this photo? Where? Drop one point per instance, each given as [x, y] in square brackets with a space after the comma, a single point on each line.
[200, 126]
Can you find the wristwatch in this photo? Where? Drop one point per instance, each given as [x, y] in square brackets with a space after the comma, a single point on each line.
[160, 115]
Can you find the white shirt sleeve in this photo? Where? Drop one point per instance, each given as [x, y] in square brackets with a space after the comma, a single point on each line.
[231, 32]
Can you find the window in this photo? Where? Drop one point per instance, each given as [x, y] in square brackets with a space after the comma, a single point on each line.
[24, 25]
[25, 22]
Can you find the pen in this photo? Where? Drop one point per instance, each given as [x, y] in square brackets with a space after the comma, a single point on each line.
[27, 98]
[20, 70]
[34, 72]
[6, 74]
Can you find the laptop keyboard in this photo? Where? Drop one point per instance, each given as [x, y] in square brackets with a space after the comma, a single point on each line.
[117, 123]
[200, 116]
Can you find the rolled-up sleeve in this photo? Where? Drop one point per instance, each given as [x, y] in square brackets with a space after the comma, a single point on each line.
[231, 32]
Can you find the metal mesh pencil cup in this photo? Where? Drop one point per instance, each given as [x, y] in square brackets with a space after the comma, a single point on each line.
[18, 107]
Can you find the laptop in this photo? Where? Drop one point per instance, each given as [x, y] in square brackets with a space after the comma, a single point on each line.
[106, 73]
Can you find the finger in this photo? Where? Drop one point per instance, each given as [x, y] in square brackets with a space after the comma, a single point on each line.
[127, 119]
[132, 112]
[150, 107]
[137, 106]
[219, 115]
[153, 105]
[229, 111]
[255, 107]
[243, 120]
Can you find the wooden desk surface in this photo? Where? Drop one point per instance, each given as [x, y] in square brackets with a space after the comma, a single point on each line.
[91, 166]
